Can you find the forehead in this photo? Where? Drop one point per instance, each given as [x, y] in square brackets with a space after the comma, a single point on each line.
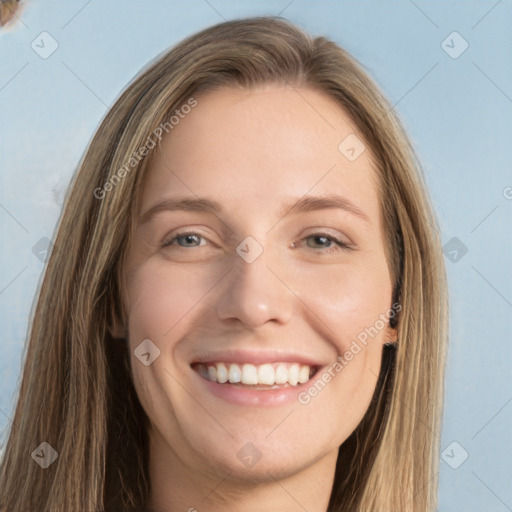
[255, 148]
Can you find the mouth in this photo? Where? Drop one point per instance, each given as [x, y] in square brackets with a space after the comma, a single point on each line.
[266, 376]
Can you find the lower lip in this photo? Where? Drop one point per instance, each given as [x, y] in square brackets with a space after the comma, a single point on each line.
[257, 397]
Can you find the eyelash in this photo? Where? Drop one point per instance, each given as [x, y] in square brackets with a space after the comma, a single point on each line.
[329, 250]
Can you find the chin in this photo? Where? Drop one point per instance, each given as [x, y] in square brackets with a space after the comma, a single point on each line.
[259, 458]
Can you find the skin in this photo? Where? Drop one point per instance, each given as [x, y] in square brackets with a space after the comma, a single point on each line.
[251, 150]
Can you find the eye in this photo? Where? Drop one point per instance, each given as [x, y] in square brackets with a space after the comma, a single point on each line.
[187, 237]
[335, 244]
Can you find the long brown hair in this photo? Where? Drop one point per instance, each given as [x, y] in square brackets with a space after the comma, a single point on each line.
[76, 392]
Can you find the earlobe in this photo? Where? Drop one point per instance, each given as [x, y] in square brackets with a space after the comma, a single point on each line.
[391, 336]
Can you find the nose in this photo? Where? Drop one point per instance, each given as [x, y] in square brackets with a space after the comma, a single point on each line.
[254, 293]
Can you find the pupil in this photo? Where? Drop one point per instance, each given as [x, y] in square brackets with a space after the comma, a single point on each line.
[189, 238]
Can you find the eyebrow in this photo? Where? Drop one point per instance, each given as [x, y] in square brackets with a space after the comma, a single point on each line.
[303, 204]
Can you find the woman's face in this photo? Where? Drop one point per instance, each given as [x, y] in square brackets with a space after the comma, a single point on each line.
[242, 268]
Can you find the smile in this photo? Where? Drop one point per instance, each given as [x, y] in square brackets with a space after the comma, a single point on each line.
[256, 375]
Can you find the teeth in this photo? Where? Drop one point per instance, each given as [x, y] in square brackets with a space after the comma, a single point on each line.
[266, 375]
[251, 375]
[281, 374]
[293, 374]
[303, 374]
[234, 373]
[222, 373]
[203, 371]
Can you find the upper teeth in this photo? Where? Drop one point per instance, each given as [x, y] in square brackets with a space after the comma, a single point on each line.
[268, 374]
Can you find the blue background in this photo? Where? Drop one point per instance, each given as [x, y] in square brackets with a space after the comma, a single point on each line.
[458, 112]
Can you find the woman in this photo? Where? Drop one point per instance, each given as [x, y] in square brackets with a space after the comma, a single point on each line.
[245, 307]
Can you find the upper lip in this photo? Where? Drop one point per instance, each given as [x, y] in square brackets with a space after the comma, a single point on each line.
[256, 356]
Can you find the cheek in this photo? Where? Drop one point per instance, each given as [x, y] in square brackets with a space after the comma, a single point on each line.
[347, 304]
[160, 302]
[161, 298]
[349, 299]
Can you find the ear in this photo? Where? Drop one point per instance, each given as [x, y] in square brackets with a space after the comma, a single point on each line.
[391, 334]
